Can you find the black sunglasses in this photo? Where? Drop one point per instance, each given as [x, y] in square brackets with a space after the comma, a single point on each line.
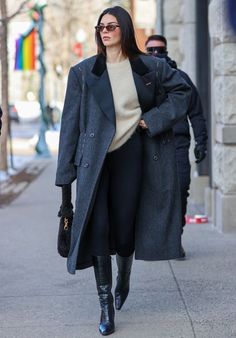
[109, 28]
[156, 50]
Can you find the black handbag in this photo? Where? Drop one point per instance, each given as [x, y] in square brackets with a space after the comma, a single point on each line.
[66, 218]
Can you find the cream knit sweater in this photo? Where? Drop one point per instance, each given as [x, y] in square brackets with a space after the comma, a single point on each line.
[127, 107]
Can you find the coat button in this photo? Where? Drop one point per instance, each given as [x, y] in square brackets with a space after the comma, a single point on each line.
[91, 135]
[86, 165]
[155, 157]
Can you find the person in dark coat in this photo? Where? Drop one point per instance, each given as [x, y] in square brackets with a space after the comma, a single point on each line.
[0, 119]
[231, 13]
[156, 45]
[116, 140]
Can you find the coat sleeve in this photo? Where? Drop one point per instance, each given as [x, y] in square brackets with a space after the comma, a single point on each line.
[69, 134]
[195, 115]
[175, 104]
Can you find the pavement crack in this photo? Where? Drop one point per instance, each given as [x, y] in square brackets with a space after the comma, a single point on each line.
[182, 298]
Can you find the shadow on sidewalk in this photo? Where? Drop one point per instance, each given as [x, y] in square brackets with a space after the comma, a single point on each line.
[16, 184]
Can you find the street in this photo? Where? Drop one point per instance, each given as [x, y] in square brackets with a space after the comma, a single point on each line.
[25, 136]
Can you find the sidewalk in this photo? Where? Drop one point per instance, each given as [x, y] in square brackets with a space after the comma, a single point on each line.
[170, 299]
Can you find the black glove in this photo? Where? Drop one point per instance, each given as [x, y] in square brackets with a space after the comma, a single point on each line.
[66, 218]
[66, 208]
[200, 153]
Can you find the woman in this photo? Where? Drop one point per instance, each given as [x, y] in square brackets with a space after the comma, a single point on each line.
[116, 140]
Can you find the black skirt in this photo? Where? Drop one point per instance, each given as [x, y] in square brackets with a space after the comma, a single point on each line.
[111, 225]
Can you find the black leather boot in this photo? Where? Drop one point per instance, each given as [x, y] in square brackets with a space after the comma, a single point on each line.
[103, 276]
[124, 265]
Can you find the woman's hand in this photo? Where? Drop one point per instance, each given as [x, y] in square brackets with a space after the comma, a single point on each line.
[143, 125]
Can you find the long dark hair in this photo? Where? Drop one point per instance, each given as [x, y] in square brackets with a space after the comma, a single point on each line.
[129, 45]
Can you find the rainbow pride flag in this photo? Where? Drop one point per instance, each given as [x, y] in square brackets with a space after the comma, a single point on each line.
[25, 51]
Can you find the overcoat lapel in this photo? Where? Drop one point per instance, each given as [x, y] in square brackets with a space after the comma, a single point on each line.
[98, 81]
[145, 83]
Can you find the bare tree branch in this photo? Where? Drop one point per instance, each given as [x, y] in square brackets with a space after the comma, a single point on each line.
[18, 11]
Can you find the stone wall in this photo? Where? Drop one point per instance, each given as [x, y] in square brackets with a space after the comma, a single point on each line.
[223, 42]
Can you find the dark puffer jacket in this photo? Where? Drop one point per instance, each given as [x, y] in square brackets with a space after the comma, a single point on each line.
[194, 115]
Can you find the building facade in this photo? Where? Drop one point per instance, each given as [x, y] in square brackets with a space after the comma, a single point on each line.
[203, 43]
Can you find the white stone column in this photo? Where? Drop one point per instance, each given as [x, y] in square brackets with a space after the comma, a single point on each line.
[187, 40]
[223, 42]
[187, 43]
[173, 19]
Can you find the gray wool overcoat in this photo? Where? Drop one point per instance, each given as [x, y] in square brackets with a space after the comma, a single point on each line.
[87, 130]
